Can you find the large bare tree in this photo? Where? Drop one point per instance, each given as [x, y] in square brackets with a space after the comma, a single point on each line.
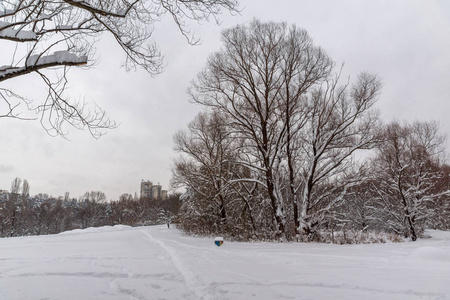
[38, 36]
[258, 80]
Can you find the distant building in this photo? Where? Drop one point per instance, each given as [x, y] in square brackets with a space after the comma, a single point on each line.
[156, 191]
[151, 191]
[146, 188]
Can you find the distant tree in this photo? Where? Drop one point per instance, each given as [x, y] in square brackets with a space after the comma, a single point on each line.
[39, 36]
[25, 189]
[15, 186]
[42, 209]
[116, 212]
[165, 216]
[441, 204]
[172, 203]
[14, 202]
[44, 214]
[95, 196]
[3, 219]
[90, 209]
[407, 168]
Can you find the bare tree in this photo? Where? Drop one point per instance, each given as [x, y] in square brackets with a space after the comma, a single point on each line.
[440, 207]
[25, 189]
[14, 202]
[340, 122]
[95, 196]
[206, 163]
[43, 35]
[407, 168]
[89, 209]
[257, 80]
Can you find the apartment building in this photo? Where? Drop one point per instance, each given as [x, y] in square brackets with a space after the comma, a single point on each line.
[152, 191]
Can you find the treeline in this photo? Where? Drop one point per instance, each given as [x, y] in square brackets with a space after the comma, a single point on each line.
[284, 150]
[22, 215]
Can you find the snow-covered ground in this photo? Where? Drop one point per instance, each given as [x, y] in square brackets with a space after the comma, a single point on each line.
[158, 263]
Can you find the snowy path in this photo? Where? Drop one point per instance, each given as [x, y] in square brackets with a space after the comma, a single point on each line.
[189, 276]
[159, 263]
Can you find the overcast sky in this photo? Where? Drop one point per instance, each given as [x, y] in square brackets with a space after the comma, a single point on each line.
[407, 43]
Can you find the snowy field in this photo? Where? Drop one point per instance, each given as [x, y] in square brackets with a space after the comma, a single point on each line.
[158, 263]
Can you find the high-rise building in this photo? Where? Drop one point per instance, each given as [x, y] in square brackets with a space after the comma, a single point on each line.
[146, 189]
[156, 191]
[150, 191]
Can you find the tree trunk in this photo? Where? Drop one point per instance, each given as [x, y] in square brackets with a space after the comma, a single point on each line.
[412, 229]
[13, 222]
[280, 228]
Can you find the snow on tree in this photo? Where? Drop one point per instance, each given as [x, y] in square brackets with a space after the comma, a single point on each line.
[207, 147]
[38, 36]
[220, 194]
[298, 126]
[341, 121]
[251, 80]
[407, 168]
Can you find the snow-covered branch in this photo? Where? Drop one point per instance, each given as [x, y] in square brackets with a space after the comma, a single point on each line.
[37, 62]
[7, 32]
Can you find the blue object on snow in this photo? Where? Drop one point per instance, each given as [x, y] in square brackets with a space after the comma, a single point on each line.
[218, 241]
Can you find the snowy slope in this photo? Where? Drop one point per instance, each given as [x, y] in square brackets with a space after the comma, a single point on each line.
[159, 263]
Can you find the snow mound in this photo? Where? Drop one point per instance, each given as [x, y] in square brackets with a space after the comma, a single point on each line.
[96, 230]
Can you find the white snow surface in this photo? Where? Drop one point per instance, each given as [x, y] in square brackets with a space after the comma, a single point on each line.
[155, 262]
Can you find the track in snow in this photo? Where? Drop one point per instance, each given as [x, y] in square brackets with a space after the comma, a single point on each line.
[190, 278]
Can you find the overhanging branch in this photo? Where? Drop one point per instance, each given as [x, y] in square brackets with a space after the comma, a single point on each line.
[61, 58]
[86, 6]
